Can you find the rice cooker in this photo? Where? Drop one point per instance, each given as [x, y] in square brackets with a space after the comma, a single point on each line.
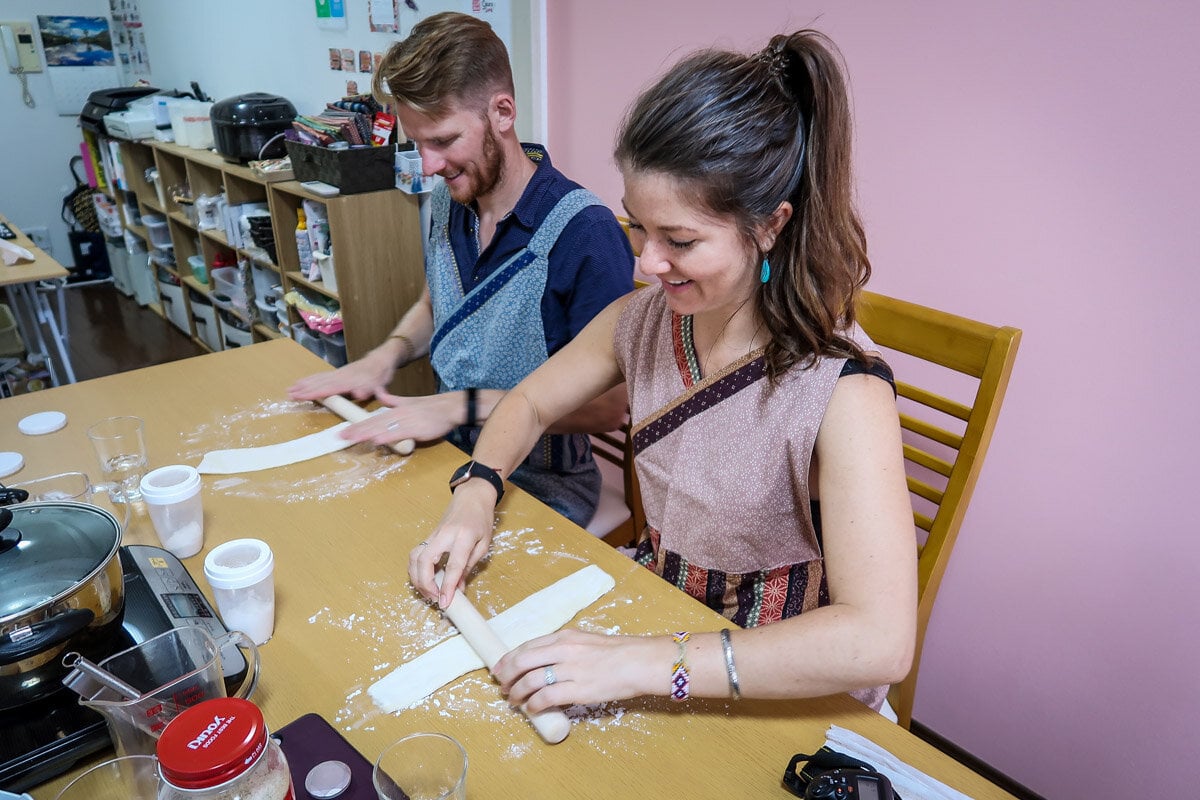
[243, 125]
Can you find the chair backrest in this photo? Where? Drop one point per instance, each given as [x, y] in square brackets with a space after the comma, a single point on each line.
[945, 439]
[624, 223]
[616, 447]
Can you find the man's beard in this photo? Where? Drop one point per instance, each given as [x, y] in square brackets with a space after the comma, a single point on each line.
[488, 170]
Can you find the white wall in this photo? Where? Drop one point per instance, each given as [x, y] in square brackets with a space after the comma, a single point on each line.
[229, 47]
[35, 143]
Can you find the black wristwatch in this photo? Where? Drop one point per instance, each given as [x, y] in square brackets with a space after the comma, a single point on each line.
[473, 469]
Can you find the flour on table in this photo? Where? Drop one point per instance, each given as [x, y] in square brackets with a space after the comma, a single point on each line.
[342, 472]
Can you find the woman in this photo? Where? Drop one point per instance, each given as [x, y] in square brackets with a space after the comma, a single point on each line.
[766, 433]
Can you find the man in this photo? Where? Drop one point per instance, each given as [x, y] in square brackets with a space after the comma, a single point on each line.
[519, 259]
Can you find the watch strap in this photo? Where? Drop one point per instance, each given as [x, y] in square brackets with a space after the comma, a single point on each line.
[472, 407]
[473, 469]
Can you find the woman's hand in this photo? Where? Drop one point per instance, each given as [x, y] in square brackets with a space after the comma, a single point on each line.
[422, 418]
[360, 379]
[586, 668]
[461, 538]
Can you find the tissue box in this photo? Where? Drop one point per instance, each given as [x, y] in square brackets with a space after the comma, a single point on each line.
[363, 169]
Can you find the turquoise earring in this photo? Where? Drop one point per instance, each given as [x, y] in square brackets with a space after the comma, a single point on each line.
[765, 275]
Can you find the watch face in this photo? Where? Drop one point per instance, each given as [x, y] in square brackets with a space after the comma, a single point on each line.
[461, 474]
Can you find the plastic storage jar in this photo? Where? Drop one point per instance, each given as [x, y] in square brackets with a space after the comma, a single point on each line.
[220, 750]
[241, 573]
[172, 497]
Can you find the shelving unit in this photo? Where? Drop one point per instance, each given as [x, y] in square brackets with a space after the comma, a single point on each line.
[375, 238]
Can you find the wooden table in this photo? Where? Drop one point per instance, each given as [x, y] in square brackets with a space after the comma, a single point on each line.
[341, 527]
[33, 310]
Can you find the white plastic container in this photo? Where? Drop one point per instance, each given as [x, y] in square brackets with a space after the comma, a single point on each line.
[157, 230]
[141, 272]
[241, 573]
[205, 317]
[324, 263]
[265, 279]
[266, 312]
[226, 281]
[172, 497]
[198, 123]
[173, 305]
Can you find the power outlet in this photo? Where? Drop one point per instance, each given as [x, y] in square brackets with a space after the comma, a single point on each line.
[41, 237]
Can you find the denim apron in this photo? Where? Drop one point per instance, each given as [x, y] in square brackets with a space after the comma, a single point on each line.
[493, 336]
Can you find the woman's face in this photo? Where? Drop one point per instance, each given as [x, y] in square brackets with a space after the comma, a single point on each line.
[704, 262]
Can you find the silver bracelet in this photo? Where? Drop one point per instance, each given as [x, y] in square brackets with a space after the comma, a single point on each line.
[730, 669]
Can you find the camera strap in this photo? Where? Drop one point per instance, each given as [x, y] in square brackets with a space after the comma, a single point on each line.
[796, 780]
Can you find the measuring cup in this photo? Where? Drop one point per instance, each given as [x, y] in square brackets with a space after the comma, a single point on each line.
[173, 671]
[78, 487]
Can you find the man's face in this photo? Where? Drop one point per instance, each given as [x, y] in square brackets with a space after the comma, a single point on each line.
[460, 146]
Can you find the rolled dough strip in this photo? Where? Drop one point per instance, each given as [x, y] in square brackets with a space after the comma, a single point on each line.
[543, 612]
[253, 459]
[552, 724]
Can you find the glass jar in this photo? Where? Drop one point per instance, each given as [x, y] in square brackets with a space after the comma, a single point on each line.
[220, 750]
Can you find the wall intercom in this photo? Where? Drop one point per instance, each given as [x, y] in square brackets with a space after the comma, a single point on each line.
[20, 51]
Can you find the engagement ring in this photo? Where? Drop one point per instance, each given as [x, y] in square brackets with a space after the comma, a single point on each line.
[551, 678]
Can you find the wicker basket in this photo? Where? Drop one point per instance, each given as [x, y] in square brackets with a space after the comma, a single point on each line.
[362, 169]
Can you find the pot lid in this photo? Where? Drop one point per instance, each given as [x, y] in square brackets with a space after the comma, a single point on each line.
[47, 550]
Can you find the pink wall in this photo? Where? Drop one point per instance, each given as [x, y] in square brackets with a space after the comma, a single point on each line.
[1029, 164]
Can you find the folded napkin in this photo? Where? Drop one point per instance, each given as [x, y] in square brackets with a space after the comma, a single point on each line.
[13, 253]
[908, 782]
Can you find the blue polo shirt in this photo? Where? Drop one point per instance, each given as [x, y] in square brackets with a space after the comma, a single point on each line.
[590, 266]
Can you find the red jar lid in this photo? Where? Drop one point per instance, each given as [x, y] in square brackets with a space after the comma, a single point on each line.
[211, 743]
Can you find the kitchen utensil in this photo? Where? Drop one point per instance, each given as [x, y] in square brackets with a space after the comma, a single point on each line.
[120, 446]
[77, 486]
[172, 672]
[245, 126]
[62, 589]
[349, 411]
[241, 573]
[125, 778]
[552, 724]
[430, 766]
[172, 496]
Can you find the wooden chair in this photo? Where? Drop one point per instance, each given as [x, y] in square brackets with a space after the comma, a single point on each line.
[614, 521]
[944, 440]
[619, 518]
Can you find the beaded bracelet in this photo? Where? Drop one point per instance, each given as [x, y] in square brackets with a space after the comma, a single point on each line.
[680, 679]
[730, 669]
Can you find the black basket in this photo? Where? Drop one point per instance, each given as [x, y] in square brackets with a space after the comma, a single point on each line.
[362, 169]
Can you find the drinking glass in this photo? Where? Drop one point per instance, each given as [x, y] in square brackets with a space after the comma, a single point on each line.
[125, 778]
[121, 449]
[422, 766]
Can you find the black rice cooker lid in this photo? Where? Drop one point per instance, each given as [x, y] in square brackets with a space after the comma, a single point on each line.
[47, 550]
[254, 108]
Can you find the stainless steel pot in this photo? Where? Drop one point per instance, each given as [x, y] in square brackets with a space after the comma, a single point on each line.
[61, 589]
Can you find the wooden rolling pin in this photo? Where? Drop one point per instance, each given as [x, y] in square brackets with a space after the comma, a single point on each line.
[551, 724]
[349, 411]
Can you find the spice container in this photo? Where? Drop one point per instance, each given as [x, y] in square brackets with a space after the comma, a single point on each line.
[219, 750]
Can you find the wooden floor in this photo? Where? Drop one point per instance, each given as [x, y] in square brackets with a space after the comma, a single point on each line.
[109, 332]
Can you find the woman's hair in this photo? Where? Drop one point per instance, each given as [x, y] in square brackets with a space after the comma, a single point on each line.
[446, 59]
[745, 133]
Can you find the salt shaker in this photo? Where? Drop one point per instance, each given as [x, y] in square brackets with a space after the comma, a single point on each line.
[220, 750]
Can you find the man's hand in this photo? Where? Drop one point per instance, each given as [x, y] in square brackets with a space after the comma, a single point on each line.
[361, 379]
